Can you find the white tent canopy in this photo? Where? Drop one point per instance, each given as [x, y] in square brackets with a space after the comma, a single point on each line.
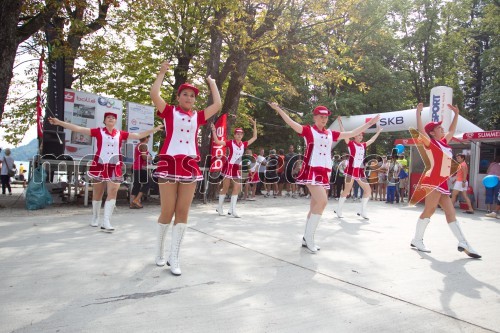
[404, 120]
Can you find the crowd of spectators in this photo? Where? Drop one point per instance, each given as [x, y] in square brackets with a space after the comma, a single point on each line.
[387, 175]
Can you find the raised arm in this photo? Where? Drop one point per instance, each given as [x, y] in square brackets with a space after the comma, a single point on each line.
[215, 138]
[137, 136]
[373, 138]
[217, 104]
[341, 128]
[360, 129]
[72, 127]
[293, 124]
[453, 125]
[254, 137]
[420, 126]
[155, 89]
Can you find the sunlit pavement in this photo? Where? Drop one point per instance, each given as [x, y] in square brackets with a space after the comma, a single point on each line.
[247, 275]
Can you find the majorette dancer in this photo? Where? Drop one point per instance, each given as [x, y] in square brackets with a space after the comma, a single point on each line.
[434, 182]
[106, 168]
[355, 171]
[232, 166]
[317, 166]
[178, 169]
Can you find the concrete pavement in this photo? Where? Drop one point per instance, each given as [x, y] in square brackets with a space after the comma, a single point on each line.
[249, 274]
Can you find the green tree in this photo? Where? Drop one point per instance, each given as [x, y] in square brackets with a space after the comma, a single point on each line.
[20, 20]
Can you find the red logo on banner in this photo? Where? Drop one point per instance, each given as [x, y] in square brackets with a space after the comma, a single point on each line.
[218, 152]
[372, 126]
[69, 96]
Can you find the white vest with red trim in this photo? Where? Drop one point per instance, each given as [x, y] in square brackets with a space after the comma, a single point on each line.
[321, 152]
[110, 147]
[235, 152]
[357, 153]
[184, 136]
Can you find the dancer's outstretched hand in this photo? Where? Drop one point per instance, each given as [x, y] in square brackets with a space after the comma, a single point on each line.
[54, 121]
[454, 108]
[210, 80]
[164, 67]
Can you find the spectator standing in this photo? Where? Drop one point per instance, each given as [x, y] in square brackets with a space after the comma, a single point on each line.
[392, 179]
[261, 162]
[252, 178]
[271, 177]
[373, 166]
[403, 183]
[492, 193]
[140, 171]
[340, 176]
[382, 179]
[281, 171]
[7, 166]
[460, 184]
[290, 160]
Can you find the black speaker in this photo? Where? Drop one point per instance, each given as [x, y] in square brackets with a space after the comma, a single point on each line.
[52, 148]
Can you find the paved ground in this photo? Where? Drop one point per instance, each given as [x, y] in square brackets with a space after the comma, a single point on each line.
[246, 275]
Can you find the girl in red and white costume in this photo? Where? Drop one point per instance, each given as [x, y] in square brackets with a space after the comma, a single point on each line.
[355, 172]
[106, 168]
[317, 166]
[178, 170]
[434, 182]
[232, 166]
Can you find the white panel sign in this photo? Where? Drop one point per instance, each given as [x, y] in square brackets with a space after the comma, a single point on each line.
[140, 118]
[439, 99]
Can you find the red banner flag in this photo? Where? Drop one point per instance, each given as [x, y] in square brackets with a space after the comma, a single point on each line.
[39, 117]
[219, 152]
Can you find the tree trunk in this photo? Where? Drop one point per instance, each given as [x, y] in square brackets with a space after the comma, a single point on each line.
[12, 34]
[236, 82]
[9, 16]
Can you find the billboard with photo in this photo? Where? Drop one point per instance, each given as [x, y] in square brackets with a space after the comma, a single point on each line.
[86, 110]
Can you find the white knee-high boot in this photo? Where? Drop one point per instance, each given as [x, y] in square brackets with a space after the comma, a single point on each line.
[219, 209]
[109, 206]
[463, 245]
[364, 203]
[160, 248]
[304, 244]
[96, 211]
[232, 209]
[339, 207]
[311, 226]
[174, 259]
[418, 240]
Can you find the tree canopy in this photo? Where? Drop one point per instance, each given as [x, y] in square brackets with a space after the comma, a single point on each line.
[353, 56]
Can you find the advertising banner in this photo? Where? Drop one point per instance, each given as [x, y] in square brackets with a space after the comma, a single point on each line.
[86, 110]
[218, 152]
[140, 118]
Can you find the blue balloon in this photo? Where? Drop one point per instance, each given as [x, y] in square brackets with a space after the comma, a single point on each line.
[400, 148]
[490, 181]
